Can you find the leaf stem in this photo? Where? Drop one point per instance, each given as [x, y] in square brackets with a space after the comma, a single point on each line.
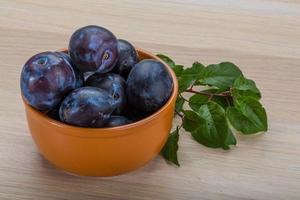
[182, 117]
[223, 94]
[227, 101]
[184, 98]
[179, 114]
[179, 127]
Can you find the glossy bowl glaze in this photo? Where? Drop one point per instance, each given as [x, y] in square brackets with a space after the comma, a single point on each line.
[103, 151]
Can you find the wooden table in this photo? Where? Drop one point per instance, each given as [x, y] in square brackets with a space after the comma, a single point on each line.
[261, 36]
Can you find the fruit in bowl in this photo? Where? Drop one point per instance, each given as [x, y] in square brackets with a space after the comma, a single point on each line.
[93, 48]
[45, 79]
[149, 85]
[127, 58]
[48, 80]
[101, 125]
[112, 83]
[87, 107]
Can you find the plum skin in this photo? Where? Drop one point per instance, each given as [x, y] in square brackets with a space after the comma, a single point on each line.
[117, 120]
[78, 74]
[53, 113]
[45, 80]
[86, 107]
[112, 83]
[93, 48]
[133, 114]
[149, 85]
[128, 57]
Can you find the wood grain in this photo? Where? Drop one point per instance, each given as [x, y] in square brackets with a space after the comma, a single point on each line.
[261, 36]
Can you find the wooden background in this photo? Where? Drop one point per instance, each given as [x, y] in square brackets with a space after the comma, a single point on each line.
[261, 36]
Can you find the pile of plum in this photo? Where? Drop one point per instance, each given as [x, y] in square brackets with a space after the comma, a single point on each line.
[98, 82]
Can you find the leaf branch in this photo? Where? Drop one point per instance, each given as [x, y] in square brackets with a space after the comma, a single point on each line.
[179, 114]
[210, 111]
[223, 94]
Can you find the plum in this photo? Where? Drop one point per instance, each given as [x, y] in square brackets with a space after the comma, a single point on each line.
[112, 83]
[93, 48]
[78, 74]
[117, 120]
[45, 80]
[149, 85]
[87, 107]
[53, 113]
[86, 75]
[127, 58]
[134, 114]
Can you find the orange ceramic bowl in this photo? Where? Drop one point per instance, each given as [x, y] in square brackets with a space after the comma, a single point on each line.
[103, 151]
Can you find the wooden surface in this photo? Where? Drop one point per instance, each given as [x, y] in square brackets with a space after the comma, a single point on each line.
[261, 36]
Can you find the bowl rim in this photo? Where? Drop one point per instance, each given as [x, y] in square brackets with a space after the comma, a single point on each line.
[111, 131]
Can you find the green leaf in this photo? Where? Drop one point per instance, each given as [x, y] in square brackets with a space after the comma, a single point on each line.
[243, 87]
[230, 138]
[178, 69]
[179, 104]
[244, 93]
[198, 82]
[197, 100]
[208, 126]
[170, 149]
[167, 60]
[191, 120]
[247, 116]
[189, 76]
[220, 75]
[242, 83]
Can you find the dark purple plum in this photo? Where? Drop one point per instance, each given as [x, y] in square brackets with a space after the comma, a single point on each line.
[117, 120]
[127, 58]
[86, 75]
[78, 74]
[134, 114]
[53, 113]
[93, 48]
[114, 84]
[45, 80]
[149, 85]
[87, 107]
